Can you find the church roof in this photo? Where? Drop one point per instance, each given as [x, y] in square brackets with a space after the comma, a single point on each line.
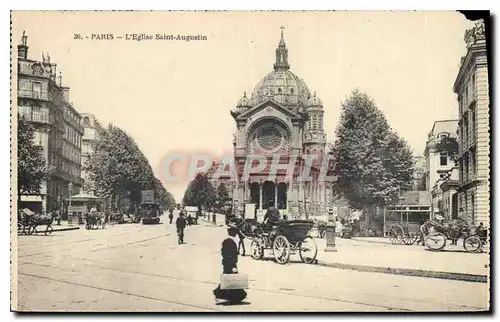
[281, 85]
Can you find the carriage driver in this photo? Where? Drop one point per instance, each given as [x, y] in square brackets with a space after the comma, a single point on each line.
[272, 217]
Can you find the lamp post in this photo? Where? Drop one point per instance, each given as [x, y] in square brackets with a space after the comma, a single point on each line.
[330, 233]
[70, 212]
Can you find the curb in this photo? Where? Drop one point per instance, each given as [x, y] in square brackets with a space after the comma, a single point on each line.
[408, 272]
[66, 229]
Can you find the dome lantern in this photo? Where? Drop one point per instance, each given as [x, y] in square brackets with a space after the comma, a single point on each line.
[281, 55]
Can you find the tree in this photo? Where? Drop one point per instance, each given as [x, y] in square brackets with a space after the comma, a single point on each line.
[222, 195]
[31, 166]
[199, 192]
[450, 146]
[375, 164]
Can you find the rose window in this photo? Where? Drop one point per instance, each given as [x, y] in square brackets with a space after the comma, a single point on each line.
[269, 138]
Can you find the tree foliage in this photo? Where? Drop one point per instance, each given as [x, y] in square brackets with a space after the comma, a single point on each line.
[31, 166]
[117, 168]
[375, 164]
[200, 192]
[222, 194]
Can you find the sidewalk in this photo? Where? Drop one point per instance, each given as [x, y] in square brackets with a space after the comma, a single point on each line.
[220, 220]
[65, 226]
[453, 263]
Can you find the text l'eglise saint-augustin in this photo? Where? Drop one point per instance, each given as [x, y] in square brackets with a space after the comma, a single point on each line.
[144, 36]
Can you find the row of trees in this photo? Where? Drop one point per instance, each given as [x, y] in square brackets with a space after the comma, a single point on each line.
[118, 169]
[202, 194]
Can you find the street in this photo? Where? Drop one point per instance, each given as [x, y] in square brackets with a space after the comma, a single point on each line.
[133, 267]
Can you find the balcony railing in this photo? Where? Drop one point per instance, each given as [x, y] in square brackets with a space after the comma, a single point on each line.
[32, 94]
[37, 118]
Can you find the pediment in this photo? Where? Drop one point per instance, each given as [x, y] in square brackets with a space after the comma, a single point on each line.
[272, 105]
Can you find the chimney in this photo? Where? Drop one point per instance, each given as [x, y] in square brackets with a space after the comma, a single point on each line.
[65, 91]
[22, 49]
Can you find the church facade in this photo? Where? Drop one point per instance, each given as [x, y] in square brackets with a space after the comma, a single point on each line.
[281, 122]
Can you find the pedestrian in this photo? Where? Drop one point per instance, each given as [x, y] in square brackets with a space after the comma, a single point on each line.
[171, 216]
[229, 252]
[180, 224]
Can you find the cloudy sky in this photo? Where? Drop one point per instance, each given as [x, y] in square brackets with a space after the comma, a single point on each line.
[176, 95]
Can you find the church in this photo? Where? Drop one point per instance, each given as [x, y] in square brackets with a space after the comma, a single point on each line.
[281, 119]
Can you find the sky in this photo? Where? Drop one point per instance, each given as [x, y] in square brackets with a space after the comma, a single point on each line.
[177, 95]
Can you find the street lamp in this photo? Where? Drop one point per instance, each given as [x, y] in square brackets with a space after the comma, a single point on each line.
[70, 192]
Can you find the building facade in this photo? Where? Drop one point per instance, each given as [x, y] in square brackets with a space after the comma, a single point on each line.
[281, 121]
[44, 101]
[92, 130]
[444, 196]
[438, 163]
[472, 89]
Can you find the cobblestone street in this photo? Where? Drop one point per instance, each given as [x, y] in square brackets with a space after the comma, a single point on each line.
[132, 267]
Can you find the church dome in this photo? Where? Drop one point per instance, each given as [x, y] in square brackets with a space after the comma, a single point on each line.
[314, 101]
[281, 85]
[244, 102]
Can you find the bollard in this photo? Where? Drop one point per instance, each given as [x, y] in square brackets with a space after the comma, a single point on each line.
[213, 219]
[330, 237]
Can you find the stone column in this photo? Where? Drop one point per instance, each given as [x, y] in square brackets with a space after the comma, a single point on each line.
[260, 197]
[276, 194]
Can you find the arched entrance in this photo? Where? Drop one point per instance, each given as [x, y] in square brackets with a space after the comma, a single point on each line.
[268, 192]
[282, 191]
[255, 194]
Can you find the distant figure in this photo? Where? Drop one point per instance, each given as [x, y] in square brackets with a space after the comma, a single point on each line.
[180, 224]
[171, 216]
[189, 220]
[229, 252]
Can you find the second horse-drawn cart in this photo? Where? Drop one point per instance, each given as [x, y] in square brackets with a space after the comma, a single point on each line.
[287, 239]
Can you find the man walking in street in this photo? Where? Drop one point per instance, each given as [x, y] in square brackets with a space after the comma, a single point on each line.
[180, 224]
[171, 216]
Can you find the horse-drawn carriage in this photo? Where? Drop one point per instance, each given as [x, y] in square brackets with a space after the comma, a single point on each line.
[437, 234]
[28, 222]
[288, 238]
[406, 234]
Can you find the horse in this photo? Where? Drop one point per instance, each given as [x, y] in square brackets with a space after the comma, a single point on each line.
[43, 220]
[246, 228]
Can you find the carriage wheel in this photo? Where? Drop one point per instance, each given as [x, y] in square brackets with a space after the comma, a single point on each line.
[98, 223]
[87, 225]
[48, 230]
[435, 241]
[396, 234]
[256, 249]
[281, 249]
[472, 244]
[308, 250]
[410, 239]
[20, 229]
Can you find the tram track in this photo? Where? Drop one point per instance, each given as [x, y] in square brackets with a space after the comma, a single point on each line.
[119, 292]
[277, 292]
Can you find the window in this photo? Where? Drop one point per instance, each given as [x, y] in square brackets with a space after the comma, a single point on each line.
[443, 158]
[473, 163]
[473, 124]
[442, 175]
[291, 90]
[37, 89]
